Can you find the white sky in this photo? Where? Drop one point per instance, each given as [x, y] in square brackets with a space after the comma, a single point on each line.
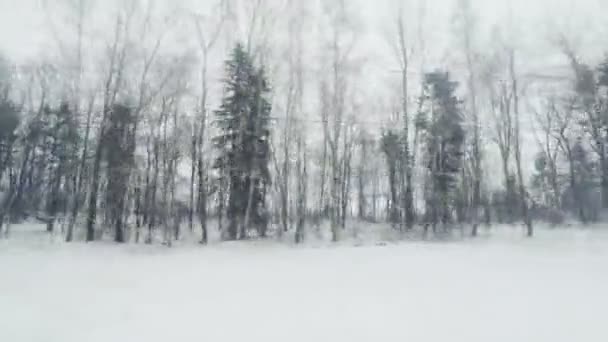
[23, 27]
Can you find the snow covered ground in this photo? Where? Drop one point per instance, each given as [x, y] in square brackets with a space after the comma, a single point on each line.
[500, 288]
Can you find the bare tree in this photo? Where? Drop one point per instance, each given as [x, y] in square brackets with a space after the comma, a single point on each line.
[593, 109]
[500, 102]
[37, 105]
[365, 144]
[467, 27]
[563, 135]
[76, 14]
[206, 44]
[515, 92]
[407, 197]
[334, 97]
[302, 187]
[293, 102]
[349, 142]
[117, 53]
[549, 125]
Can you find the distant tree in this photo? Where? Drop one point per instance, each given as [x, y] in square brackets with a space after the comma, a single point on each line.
[541, 180]
[552, 127]
[243, 144]
[579, 198]
[592, 103]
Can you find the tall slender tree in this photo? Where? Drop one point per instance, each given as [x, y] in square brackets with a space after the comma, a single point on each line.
[445, 136]
[243, 144]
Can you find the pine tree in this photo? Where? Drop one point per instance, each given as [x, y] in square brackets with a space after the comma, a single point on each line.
[9, 121]
[445, 137]
[119, 146]
[62, 137]
[579, 194]
[243, 144]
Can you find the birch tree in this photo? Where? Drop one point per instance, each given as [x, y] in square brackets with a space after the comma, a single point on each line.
[467, 28]
[207, 40]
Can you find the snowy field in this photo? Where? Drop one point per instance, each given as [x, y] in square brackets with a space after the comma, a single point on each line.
[502, 288]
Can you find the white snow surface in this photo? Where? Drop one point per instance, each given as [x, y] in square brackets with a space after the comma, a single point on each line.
[500, 287]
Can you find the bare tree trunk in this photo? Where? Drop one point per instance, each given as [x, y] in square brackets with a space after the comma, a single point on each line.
[193, 166]
[202, 201]
[375, 190]
[472, 87]
[95, 178]
[152, 206]
[245, 222]
[78, 196]
[604, 181]
[167, 174]
[207, 44]
[335, 198]
[322, 185]
[346, 176]
[362, 178]
[406, 174]
[302, 177]
[138, 209]
[112, 85]
[220, 204]
[520, 177]
[147, 186]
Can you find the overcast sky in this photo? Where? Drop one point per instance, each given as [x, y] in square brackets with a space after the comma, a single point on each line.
[23, 26]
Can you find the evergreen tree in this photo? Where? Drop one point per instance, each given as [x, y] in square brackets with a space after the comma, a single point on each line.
[445, 137]
[592, 98]
[390, 144]
[9, 121]
[579, 199]
[119, 145]
[62, 138]
[243, 144]
[540, 180]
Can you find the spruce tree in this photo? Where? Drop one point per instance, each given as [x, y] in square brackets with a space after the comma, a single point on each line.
[445, 137]
[9, 122]
[243, 144]
[62, 138]
[119, 145]
[581, 184]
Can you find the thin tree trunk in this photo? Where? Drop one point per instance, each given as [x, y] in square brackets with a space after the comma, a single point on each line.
[520, 177]
[193, 165]
[322, 206]
[604, 181]
[302, 190]
[406, 174]
[138, 210]
[202, 201]
[152, 207]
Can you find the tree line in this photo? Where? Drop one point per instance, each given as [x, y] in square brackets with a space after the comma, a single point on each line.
[138, 141]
